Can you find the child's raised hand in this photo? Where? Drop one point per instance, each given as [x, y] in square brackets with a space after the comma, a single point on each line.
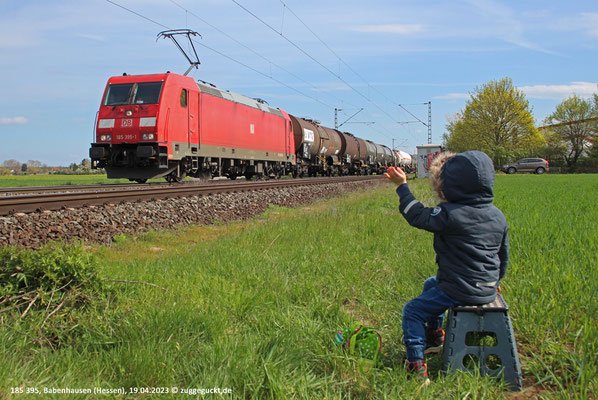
[396, 175]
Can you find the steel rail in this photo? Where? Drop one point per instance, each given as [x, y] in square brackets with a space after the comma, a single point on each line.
[19, 190]
[6, 191]
[56, 201]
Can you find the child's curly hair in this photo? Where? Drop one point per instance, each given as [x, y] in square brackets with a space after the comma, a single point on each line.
[436, 170]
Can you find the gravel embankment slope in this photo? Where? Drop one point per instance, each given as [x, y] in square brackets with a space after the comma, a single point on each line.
[101, 223]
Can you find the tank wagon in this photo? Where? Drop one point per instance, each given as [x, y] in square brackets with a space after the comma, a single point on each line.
[169, 125]
[404, 160]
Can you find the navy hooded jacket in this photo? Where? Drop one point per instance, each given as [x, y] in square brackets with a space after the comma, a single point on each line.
[470, 234]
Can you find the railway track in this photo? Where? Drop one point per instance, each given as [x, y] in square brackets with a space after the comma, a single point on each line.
[24, 190]
[89, 195]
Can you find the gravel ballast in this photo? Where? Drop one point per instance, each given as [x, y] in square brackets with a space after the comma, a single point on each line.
[101, 223]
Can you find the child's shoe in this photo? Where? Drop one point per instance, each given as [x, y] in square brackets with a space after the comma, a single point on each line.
[418, 370]
[434, 341]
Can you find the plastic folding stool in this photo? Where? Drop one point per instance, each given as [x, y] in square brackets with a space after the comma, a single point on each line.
[481, 337]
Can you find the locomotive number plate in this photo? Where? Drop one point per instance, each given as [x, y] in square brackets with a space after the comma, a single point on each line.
[127, 123]
[125, 137]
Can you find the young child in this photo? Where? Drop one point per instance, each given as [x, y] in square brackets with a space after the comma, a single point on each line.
[470, 241]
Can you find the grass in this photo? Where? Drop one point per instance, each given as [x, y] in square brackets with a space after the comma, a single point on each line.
[254, 306]
[555, 243]
[55, 180]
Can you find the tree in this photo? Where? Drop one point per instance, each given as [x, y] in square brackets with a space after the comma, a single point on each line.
[85, 165]
[554, 150]
[593, 155]
[12, 164]
[575, 136]
[496, 120]
[456, 139]
[34, 163]
[34, 167]
[24, 168]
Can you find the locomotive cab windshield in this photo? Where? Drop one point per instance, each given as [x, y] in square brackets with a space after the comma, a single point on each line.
[133, 93]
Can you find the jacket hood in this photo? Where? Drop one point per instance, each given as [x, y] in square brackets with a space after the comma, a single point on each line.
[467, 178]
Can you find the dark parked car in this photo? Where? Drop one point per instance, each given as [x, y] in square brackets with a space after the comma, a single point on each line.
[537, 165]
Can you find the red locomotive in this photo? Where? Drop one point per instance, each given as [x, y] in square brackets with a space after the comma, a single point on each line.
[169, 125]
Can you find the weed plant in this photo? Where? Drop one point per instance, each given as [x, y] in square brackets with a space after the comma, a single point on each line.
[254, 306]
[47, 296]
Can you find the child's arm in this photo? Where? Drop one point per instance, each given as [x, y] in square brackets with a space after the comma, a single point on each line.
[503, 254]
[416, 214]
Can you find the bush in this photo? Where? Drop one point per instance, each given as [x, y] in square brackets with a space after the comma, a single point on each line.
[54, 265]
[55, 288]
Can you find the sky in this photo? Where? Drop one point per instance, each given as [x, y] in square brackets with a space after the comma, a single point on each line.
[306, 57]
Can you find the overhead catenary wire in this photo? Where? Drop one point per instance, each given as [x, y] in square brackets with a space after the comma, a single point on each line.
[410, 113]
[285, 6]
[333, 52]
[312, 85]
[139, 15]
[299, 48]
[225, 56]
[265, 75]
[313, 58]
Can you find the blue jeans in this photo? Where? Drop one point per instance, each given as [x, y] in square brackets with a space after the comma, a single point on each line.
[429, 309]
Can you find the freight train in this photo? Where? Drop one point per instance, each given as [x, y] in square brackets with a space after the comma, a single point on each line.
[169, 125]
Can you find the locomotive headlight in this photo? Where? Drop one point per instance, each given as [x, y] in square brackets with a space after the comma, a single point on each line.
[105, 138]
[148, 136]
[128, 113]
[106, 123]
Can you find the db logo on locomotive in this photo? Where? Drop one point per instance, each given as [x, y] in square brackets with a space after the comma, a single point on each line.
[127, 123]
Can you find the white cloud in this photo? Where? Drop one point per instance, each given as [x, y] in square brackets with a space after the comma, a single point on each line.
[453, 96]
[97, 38]
[10, 40]
[401, 29]
[13, 120]
[582, 89]
[590, 22]
[504, 23]
[555, 92]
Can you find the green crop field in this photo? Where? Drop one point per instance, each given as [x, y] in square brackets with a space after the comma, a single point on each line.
[254, 306]
[54, 180]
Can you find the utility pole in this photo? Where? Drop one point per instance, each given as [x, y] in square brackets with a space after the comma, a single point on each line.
[429, 122]
[336, 110]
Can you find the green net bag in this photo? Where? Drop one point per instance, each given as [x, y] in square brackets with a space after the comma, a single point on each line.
[362, 342]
